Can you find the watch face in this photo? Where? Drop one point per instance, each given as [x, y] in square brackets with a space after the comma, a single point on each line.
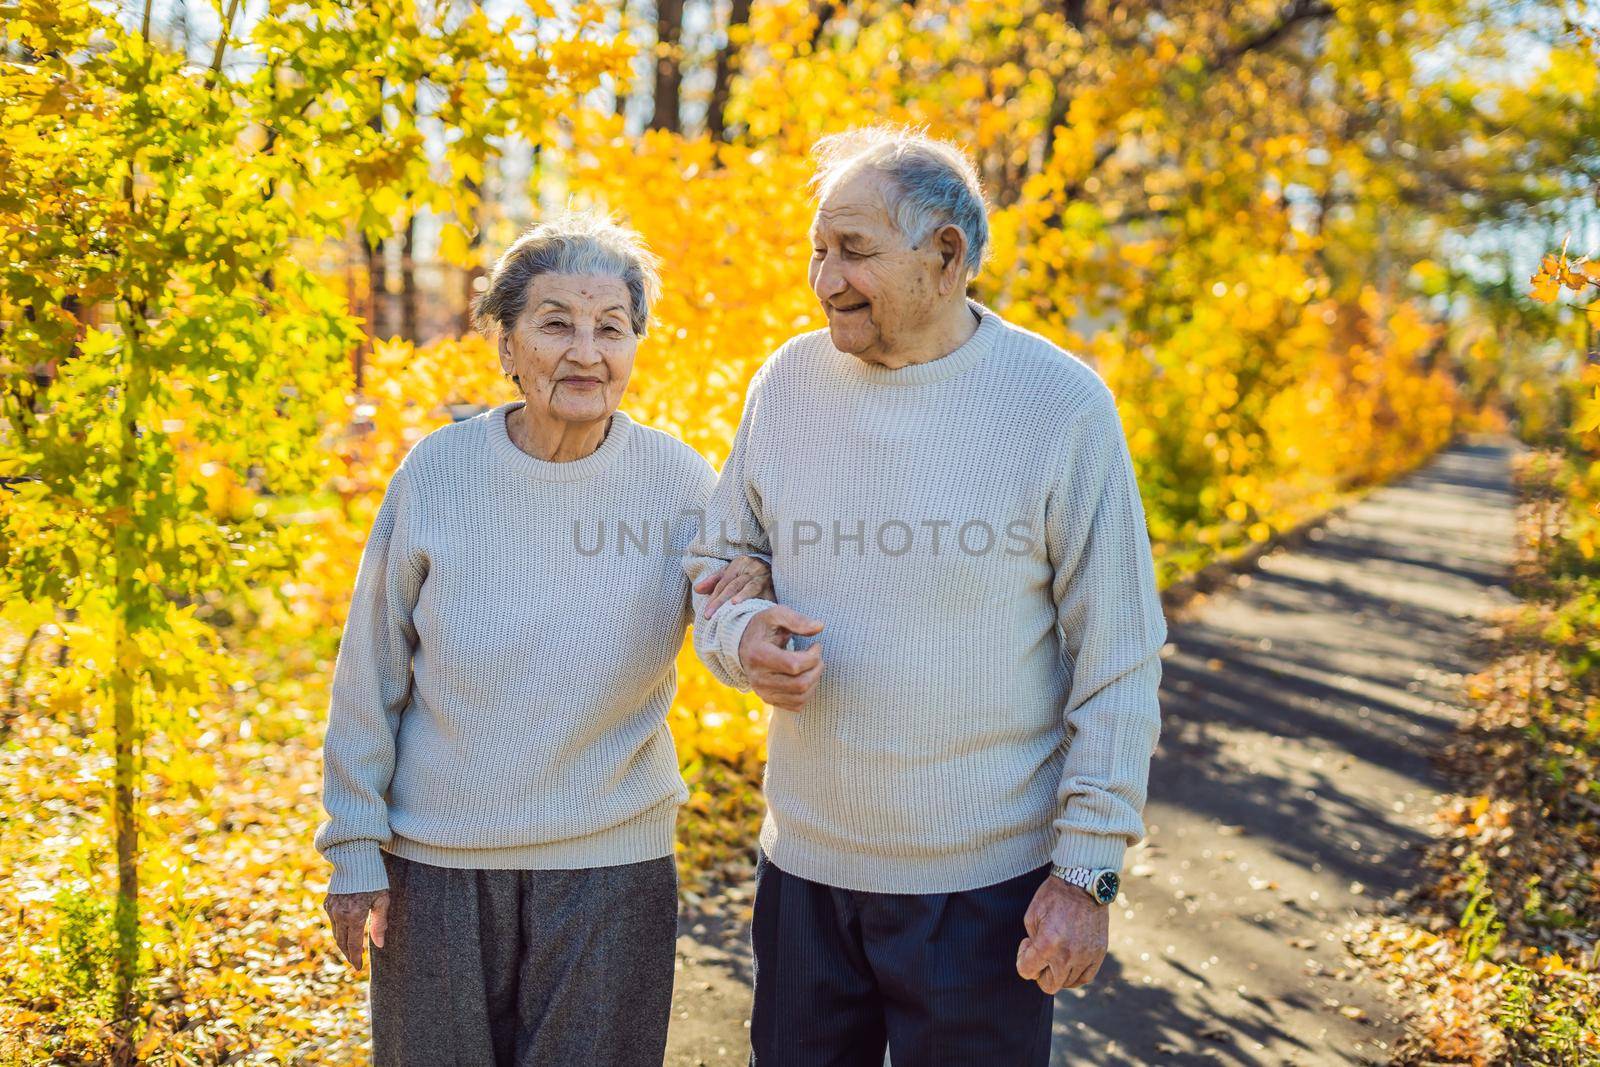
[1105, 887]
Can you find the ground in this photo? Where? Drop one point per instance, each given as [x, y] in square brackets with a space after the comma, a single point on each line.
[1291, 789]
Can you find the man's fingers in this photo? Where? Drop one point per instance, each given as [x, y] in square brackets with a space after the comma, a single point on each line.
[1086, 973]
[380, 919]
[808, 680]
[798, 688]
[788, 690]
[771, 659]
[791, 620]
[1030, 961]
[708, 582]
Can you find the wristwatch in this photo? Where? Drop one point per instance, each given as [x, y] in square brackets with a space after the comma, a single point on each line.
[1101, 883]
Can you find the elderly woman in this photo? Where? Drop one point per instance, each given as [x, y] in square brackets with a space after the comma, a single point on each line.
[500, 784]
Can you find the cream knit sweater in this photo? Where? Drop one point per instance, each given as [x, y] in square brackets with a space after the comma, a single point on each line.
[500, 694]
[970, 532]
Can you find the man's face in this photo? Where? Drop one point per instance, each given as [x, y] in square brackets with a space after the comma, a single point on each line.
[876, 290]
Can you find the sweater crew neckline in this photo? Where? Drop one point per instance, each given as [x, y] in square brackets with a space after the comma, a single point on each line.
[615, 442]
[964, 357]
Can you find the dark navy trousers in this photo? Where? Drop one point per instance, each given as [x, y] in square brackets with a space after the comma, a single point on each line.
[840, 975]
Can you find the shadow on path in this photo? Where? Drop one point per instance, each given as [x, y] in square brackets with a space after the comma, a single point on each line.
[1293, 782]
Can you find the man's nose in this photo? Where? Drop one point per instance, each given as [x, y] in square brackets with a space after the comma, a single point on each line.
[829, 280]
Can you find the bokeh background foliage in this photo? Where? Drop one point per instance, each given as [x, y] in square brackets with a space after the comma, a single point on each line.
[239, 242]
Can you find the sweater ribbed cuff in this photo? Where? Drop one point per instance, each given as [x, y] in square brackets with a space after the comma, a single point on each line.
[357, 867]
[1080, 848]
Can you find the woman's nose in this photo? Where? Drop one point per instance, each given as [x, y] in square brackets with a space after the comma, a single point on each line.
[585, 348]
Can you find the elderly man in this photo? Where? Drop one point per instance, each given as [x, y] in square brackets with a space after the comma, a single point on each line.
[949, 506]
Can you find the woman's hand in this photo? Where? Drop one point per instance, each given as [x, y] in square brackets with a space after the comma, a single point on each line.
[349, 914]
[745, 577]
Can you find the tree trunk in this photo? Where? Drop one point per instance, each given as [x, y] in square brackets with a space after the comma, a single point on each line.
[408, 280]
[129, 619]
[622, 28]
[377, 288]
[182, 36]
[377, 262]
[469, 277]
[477, 223]
[727, 58]
[358, 358]
[824, 13]
[18, 676]
[1074, 12]
[669, 68]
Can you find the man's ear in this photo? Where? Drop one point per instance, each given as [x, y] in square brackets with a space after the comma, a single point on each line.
[951, 244]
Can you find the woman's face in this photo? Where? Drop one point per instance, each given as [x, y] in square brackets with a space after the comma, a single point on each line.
[573, 347]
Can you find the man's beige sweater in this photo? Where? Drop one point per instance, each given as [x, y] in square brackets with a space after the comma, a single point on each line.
[969, 530]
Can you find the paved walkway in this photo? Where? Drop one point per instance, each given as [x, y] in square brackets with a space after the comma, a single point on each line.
[1290, 790]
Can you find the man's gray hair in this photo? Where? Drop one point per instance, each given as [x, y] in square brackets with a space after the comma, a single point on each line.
[579, 242]
[931, 183]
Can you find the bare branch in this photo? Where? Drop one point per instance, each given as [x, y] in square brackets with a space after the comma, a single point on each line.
[222, 44]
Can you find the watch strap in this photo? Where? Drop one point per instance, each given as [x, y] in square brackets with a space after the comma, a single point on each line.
[1084, 878]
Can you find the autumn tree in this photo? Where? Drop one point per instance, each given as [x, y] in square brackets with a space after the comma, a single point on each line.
[170, 364]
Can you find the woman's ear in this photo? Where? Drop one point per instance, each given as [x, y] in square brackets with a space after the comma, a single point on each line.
[951, 244]
[503, 346]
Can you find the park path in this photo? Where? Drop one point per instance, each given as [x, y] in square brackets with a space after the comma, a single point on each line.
[1290, 793]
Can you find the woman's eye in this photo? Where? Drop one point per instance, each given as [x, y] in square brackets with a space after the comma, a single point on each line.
[553, 324]
[818, 253]
[612, 331]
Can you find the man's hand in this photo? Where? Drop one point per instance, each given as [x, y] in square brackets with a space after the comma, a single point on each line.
[349, 914]
[745, 577]
[782, 678]
[1067, 937]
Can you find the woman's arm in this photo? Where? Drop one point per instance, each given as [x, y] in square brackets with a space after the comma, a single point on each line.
[371, 687]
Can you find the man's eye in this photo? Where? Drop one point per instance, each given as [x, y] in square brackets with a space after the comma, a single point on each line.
[613, 331]
[851, 253]
[818, 253]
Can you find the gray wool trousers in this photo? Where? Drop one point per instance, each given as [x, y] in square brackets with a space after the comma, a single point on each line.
[509, 968]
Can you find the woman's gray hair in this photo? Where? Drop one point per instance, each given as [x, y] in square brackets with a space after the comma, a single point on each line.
[932, 183]
[579, 242]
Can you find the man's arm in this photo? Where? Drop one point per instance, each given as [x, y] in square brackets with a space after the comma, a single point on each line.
[1112, 629]
[731, 525]
[371, 686]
